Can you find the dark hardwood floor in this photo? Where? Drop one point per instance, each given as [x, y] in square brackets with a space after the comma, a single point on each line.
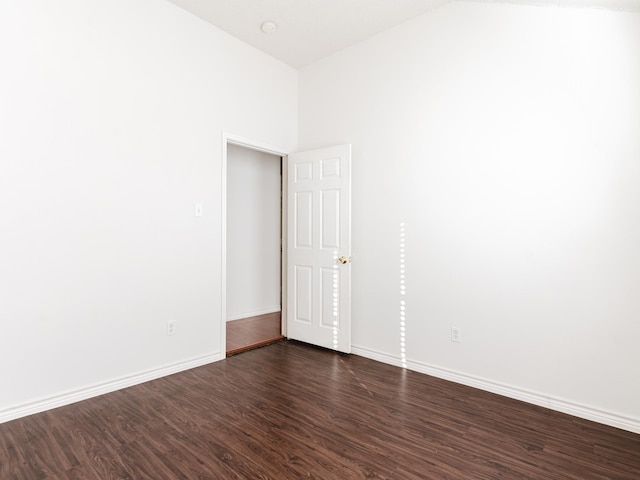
[290, 411]
[253, 332]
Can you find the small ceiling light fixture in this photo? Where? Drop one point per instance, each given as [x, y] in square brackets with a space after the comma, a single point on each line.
[269, 27]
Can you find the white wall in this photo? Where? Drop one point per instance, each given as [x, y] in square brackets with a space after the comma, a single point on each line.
[253, 233]
[507, 138]
[111, 121]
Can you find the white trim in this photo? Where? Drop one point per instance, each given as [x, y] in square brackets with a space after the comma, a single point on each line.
[262, 311]
[223, 246]
[284, 222]
[229, 138]
[577, 410]
[376, 355]
[253, 145]
[102, 388]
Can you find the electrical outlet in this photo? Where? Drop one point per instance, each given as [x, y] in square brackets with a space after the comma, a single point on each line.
[455, 335]
[171, 327]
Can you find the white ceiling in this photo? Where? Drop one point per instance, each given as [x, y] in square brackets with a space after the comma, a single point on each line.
[312, 29]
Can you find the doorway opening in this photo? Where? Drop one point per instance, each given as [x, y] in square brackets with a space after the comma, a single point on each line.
[253, 245]
[253, 332]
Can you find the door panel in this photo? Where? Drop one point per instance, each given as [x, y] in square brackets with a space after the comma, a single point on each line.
[304, 217]
[303, 293]
[330, 218]
[319, 234]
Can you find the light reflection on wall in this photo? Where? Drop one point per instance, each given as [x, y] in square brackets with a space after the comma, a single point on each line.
[403, 303]
[335, 300]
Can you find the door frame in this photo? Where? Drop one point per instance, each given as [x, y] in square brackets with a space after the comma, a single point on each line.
[239, 141]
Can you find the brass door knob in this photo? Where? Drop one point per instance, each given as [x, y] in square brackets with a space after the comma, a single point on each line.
[344, 260]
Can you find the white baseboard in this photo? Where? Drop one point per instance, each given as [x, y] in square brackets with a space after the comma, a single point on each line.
[577, 410]
[263, 311]
[102, 388]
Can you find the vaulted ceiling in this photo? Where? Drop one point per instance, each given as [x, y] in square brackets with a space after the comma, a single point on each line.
[312, 29]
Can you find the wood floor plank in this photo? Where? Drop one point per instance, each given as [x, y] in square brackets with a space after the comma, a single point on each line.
[253, 332]
[291, 411]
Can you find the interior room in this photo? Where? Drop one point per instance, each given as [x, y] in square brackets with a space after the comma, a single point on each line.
[494, 202]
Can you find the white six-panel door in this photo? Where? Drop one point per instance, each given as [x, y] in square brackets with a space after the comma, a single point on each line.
[319, 247]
